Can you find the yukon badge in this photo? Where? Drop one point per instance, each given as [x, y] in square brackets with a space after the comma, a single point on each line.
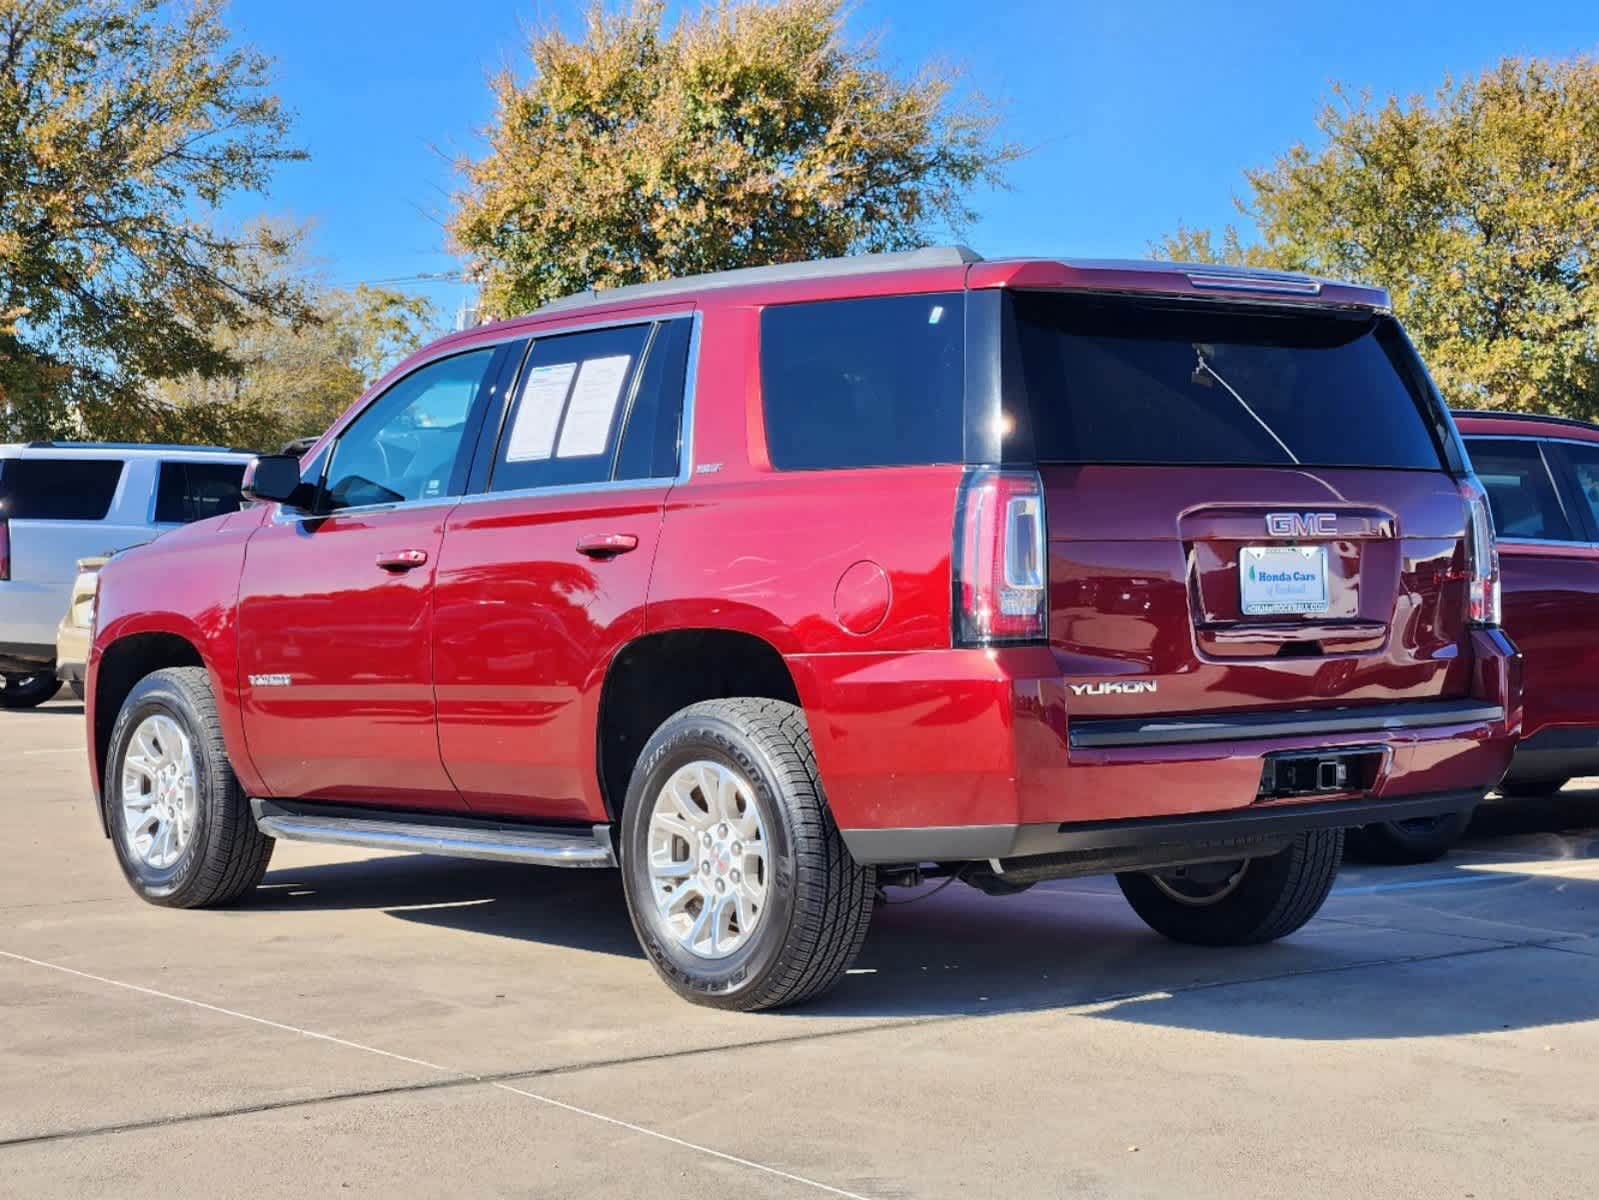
[270, 680]
[1291, 524]
[1113, 688]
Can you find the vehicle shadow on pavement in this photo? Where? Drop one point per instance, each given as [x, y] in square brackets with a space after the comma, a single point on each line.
[70, 707]
[1471, 944]
[581, 909]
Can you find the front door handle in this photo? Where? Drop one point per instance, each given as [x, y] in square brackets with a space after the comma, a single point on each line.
[402, 560]
[606, 545]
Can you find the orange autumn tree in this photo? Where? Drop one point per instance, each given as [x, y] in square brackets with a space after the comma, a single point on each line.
[125, 128]
[750, 132]
[1477, 208]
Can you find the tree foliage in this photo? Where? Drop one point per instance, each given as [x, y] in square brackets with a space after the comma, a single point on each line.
[124, 125]
[751, 132]
[292, 378]
[1479, 211]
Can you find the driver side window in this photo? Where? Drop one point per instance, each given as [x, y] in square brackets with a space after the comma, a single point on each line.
[406, 444]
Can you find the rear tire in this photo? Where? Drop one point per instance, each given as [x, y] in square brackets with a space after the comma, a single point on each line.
[1240, 904]
[181, 825]
[28, 691]
[740, 888]
[1421, 840]
[1532, 789]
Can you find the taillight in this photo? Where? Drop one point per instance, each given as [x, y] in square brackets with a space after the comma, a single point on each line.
[1001, 574]
[1482, 556]
[5, 548]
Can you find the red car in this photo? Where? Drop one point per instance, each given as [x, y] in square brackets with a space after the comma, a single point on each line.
[1542, 479]
[779, 586]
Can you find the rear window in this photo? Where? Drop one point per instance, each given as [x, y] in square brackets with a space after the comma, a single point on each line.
[1101, 380]
[193, 491]
[864, 383]
[58, 489]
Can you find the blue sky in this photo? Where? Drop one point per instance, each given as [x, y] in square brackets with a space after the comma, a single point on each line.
[1141, 114]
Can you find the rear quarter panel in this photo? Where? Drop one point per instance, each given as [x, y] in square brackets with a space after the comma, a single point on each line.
[186, 583]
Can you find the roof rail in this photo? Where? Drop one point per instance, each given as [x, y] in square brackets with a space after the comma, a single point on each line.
[821, 268]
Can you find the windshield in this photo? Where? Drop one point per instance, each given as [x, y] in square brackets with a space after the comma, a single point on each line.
[1111, 380]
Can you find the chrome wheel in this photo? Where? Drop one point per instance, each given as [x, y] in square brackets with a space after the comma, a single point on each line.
[708, 859]
[1202, 884]
[160, 792]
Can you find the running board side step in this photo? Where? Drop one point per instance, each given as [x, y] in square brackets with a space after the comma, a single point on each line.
[375, 829]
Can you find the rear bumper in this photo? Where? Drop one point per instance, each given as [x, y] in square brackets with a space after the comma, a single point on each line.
[72, 651]
[26, 657]
[1559, 753]
[1158, 834]
[975, 754]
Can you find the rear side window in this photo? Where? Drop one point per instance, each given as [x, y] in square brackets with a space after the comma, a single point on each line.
[1521, 492]
[864, 383]
[58, 489]
[570, 401]
[193, 491]
[1584, 479]
[1097, 380]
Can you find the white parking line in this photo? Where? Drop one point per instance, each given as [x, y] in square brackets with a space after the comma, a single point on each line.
[226, 1012]
[504, 1087]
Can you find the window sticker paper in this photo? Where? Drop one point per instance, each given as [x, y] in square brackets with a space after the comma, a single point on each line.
[538, 412]
[593, 407]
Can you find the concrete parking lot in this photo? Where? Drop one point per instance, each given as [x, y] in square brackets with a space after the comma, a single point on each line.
[398, 1025]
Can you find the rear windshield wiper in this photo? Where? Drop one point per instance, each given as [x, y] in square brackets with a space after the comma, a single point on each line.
[1203, 369]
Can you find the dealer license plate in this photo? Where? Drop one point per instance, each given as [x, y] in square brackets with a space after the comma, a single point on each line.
[1282, 579]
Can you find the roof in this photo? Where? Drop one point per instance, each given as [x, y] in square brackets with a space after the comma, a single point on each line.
[820, 268]
[1196, 279]
[167, 448]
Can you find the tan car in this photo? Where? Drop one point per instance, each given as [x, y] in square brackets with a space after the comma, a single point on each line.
[73, 634]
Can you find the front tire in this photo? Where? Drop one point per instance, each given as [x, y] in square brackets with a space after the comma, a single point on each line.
[1240, 903]
[740, 888]
[181, 825]
[28, 691]
[1419, 840]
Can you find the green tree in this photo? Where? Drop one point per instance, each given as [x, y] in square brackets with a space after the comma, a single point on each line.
[124, 125]
[1478, 211]
[292, 378]
[750, 132]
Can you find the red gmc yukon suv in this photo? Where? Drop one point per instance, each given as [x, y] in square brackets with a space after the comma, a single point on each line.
[1542, 479]
[779, 586]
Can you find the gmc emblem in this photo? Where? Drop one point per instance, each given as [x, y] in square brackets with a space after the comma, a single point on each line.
[1302, 524]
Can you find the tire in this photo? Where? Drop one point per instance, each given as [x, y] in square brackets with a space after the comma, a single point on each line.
[1257, 900]
[813, 914]
[1421, 840]
[223, 855]
[1532, 789]
[29, 691]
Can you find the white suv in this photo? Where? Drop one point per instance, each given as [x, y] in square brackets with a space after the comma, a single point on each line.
[62, 501]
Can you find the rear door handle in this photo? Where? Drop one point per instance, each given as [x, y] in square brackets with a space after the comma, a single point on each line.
[402, 560]
[606, 545]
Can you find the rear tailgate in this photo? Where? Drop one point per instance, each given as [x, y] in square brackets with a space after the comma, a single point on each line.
[1248, 505]
[1148, 570]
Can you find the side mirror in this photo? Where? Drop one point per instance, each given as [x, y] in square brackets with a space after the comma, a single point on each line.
[276, 477]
